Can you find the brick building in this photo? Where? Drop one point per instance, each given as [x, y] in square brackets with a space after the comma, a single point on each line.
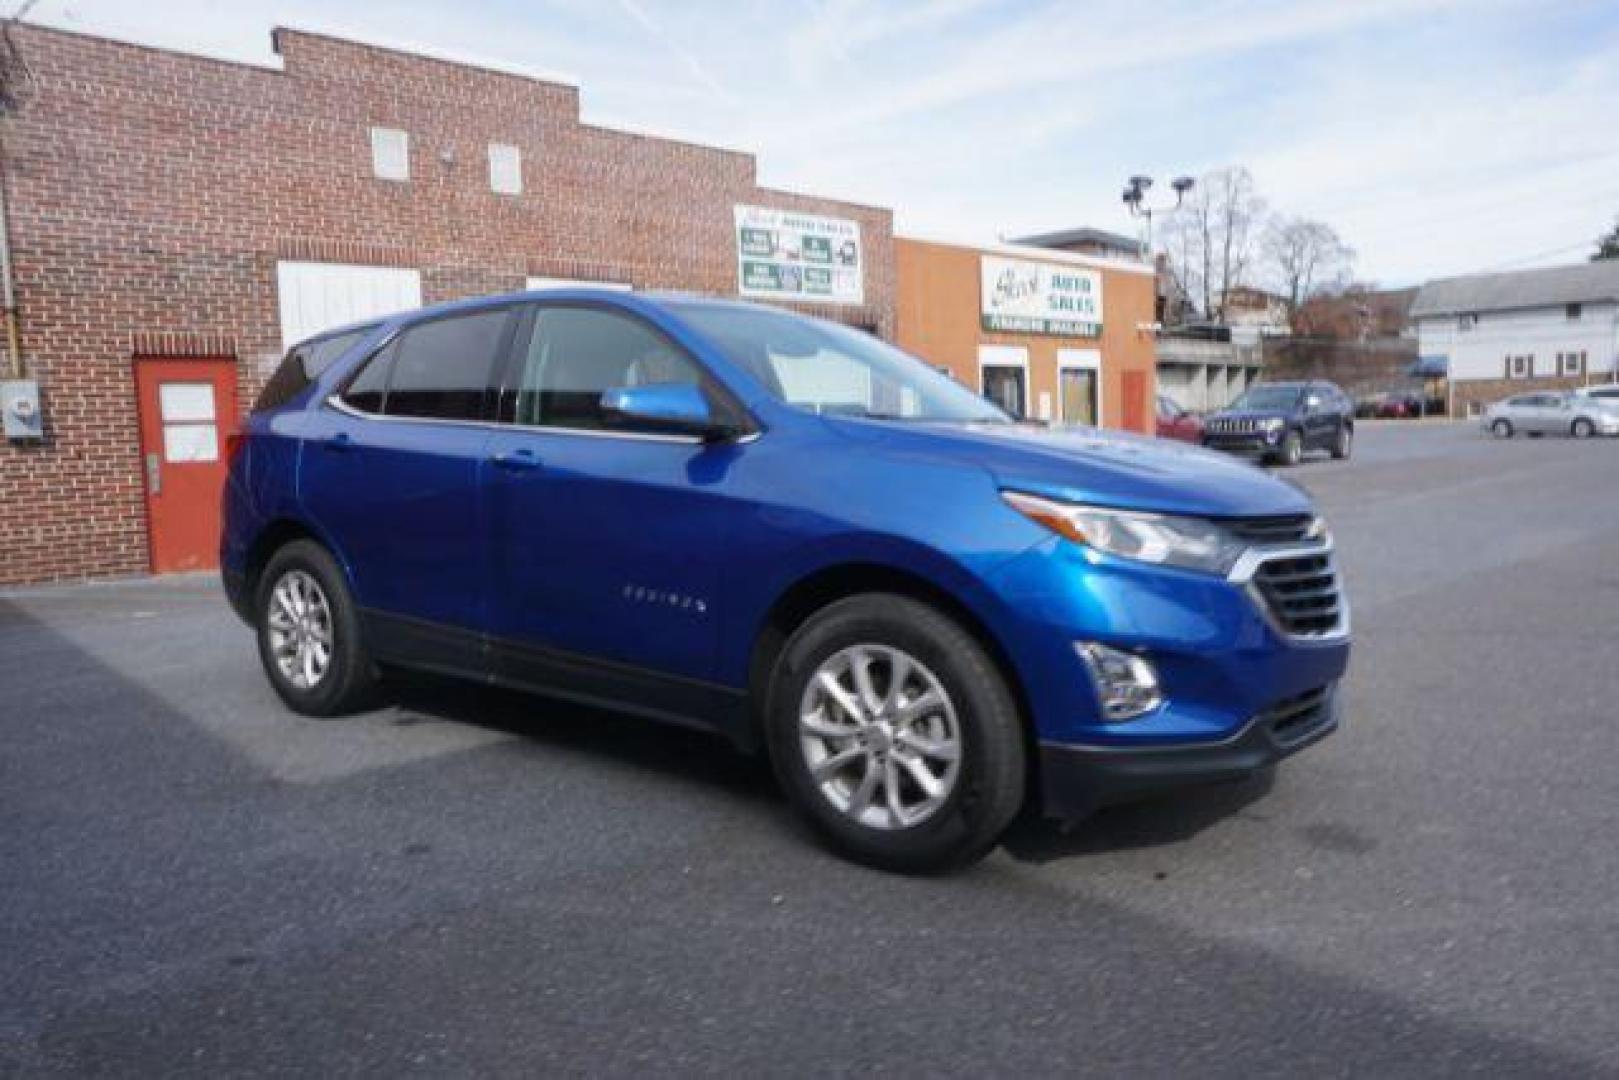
[1047, 334]
[169, 209]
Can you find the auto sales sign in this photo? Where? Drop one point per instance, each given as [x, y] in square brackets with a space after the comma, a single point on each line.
[784, 255]
[1018, 296]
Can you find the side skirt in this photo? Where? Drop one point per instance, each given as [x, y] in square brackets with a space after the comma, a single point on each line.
[446, 650]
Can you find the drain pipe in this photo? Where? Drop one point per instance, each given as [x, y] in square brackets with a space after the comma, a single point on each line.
[8, 292]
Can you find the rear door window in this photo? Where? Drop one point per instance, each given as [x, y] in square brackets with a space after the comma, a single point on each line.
[439, 370]
[443, 368]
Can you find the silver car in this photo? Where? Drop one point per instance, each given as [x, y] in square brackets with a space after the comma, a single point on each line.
[1552, 413]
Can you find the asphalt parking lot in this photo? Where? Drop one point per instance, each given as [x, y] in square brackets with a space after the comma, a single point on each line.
[193, 880]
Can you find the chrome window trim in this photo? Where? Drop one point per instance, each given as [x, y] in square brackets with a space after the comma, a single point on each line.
[337, 403]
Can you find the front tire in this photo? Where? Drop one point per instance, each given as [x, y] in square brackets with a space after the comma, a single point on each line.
[1582, 429]
[1292, 451]
[309, 633]
[1501, 429]
[894, 735]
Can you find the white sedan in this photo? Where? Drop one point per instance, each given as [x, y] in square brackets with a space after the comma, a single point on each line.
[1552, 413]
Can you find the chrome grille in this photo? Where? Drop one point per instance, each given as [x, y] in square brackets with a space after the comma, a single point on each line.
[1236, 426]
[1301, 591]
[1282, 529]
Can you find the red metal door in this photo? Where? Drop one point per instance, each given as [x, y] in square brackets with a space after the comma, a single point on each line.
[187, 407]
[1135, 401]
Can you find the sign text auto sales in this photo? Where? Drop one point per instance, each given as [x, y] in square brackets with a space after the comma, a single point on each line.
[1039, 298]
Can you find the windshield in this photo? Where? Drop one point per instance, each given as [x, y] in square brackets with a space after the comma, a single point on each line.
[827, 368]
[1268, 397]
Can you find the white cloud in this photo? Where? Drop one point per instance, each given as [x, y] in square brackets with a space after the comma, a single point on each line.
[1437, 136]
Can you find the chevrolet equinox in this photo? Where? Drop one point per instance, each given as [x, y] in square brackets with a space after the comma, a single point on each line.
[787, 532]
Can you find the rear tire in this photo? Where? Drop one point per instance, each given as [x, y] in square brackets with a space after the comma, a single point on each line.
[309, 633]
[1501, 429]
[1582, 428]
[918, 777]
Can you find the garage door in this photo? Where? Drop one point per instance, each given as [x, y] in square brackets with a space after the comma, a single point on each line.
[316, 296]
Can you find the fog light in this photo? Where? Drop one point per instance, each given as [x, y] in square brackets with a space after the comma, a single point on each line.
[1126, 684]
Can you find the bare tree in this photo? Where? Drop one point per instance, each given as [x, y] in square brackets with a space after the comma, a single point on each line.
[1304, 256]
[1210, 239]
[1607, 245]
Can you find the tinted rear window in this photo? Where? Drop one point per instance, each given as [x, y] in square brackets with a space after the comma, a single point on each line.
[303, 365]
[440, 370]
[443, 368]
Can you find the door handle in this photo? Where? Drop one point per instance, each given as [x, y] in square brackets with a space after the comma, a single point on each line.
[519, 460]
[339, 443]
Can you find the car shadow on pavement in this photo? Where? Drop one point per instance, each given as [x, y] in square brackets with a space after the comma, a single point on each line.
[697, 756]
[712, 761]
[1169, 818]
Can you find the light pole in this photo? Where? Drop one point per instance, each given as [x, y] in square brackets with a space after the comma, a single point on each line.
[1135, 197]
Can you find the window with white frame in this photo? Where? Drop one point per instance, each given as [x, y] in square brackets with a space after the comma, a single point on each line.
[1571, 363]
[505, 169]
[390, 154]
[1520, 367]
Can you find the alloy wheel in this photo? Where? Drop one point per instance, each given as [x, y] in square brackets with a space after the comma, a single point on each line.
[300, 624]
[880, 736]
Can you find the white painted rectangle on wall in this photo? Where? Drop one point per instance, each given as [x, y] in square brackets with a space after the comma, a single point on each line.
[505, 169]
[317, 296]
[534, 283]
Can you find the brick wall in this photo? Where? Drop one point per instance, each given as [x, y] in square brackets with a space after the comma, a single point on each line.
[151, 194]
[1468, 397]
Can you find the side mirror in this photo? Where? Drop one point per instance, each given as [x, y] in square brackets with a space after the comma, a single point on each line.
[671, 408]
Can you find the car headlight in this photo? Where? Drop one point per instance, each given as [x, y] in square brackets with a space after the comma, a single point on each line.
[1275, 423]
[1161, 539]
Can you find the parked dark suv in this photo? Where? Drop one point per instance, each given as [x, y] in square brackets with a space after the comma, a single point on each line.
[1281, 421]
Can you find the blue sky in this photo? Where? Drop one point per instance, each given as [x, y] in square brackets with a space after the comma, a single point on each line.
[1437, 136]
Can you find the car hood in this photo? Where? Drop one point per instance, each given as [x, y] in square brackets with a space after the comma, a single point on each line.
[1108, 468]
[1250, 414]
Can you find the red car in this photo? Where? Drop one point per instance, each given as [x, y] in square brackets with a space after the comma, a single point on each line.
[1175, 422]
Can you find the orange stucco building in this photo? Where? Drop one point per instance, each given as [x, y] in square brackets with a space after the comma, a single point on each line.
[1047, 334]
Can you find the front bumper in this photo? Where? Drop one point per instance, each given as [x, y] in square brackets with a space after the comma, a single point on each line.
[1244, 443]
[1077, 780]
[1228, 657]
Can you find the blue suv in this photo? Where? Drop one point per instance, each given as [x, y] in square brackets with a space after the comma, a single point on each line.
[785, 531]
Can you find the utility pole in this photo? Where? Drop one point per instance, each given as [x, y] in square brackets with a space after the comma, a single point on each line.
[1135, 197]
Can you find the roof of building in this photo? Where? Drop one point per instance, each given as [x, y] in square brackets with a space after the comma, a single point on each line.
[1033, 254]
[1583, 283]
[1067, 237]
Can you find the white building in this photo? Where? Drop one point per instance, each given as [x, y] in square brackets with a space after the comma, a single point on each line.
[1497, 334]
